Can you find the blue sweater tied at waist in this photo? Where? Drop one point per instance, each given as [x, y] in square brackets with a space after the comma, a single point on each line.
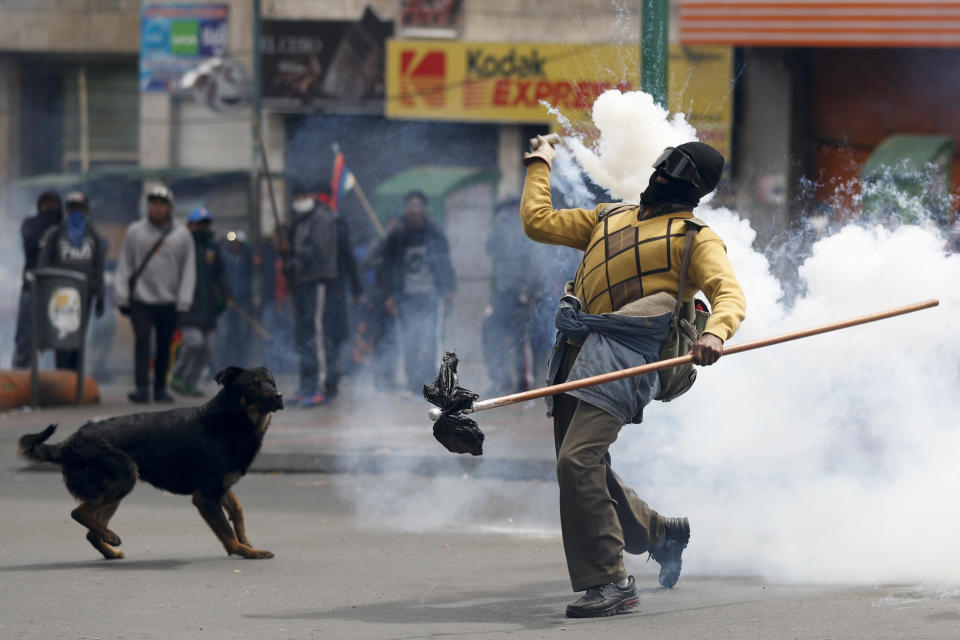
[611, 342]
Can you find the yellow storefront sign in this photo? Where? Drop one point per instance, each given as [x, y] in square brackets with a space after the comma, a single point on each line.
[514, 82]
[501, 82]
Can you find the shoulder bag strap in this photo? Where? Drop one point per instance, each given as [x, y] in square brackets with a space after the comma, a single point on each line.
[143, 265]
[612, 209]
[693, 228]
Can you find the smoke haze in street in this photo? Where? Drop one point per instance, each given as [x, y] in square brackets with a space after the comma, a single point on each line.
[830, 459]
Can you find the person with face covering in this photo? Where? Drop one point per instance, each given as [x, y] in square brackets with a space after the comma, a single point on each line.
[312, 266]
[628, 278]
[417, 274]
[155, 279]
[210, 297]
[76, 246]
[49, 214]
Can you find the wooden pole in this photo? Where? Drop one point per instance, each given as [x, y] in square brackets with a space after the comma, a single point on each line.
[258, 134]
[246, 317]
[673, 362]
[362, 197]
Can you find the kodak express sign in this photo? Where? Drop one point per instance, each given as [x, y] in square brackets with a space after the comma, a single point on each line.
[501, 82]
[509, 82]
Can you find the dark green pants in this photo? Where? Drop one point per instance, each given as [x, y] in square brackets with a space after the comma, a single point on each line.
[599, 515]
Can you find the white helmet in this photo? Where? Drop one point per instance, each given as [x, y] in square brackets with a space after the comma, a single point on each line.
[160, 192]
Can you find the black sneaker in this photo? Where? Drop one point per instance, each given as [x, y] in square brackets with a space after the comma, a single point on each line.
[605, 600]
[140, 396]
[676, 534]
[161, 395]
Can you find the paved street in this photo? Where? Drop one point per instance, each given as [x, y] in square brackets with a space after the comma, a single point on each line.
[456, 548]
[339, 576]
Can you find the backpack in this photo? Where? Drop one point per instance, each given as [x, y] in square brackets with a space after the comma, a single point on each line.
[686, 326]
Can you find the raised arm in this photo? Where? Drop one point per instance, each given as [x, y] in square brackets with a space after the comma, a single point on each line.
[543, 223]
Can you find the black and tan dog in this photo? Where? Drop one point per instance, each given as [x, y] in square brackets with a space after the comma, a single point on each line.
[200, 451]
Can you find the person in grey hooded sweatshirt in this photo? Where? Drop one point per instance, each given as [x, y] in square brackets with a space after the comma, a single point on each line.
[155, 279]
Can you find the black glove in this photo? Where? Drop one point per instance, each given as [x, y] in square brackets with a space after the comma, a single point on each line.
[98, 308]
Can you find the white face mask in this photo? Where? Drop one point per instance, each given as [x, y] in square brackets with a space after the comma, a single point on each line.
[304, 205]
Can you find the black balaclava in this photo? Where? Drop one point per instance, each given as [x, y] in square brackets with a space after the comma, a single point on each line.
[679, 195]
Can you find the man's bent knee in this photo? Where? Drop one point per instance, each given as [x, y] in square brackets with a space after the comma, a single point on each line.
[570, 465]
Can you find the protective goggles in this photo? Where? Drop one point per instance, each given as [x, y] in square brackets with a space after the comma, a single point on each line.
[678, 165]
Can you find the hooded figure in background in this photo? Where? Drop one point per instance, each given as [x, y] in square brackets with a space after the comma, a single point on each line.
[49, 214]
[210, 296]
[617, 314]
[75, 245]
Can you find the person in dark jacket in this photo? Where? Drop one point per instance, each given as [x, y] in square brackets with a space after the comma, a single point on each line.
[313, 264]
[49, 214]
[419, 276]
[211, 294]
[75, 245]
[336, 310]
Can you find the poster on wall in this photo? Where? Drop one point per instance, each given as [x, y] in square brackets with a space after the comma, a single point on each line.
[175, 38]
[328, 66]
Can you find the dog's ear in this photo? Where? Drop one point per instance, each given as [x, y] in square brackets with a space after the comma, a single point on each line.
[228, 375]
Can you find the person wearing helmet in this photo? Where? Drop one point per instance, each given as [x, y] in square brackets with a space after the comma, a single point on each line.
[75, 245]
[210, 297]
[618, 313]
[155, 279]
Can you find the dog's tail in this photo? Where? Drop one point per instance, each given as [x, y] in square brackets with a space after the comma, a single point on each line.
[32, 447]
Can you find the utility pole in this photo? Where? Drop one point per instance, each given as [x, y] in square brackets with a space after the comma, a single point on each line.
[654, 51]
[256, 105]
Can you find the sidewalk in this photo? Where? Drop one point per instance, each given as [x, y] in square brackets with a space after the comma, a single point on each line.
[361, 431]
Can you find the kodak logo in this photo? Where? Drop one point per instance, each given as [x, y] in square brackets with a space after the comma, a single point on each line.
[423, 75]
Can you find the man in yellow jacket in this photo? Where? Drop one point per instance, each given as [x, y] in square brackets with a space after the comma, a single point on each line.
[617, 313]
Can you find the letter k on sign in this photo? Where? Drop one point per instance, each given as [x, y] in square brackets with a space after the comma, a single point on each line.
[423, 74]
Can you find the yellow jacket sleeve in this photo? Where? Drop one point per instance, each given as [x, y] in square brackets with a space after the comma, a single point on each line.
[712, 273]
[543, 223]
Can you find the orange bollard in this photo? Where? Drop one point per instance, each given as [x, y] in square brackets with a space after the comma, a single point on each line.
[56, 387]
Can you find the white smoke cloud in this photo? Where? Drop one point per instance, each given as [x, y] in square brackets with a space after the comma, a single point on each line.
[634, 130]
[833, 458]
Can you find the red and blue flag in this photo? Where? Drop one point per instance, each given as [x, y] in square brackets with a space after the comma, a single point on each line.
[342, 180]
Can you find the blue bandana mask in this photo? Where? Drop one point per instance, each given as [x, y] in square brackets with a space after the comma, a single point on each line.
[76, 221]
